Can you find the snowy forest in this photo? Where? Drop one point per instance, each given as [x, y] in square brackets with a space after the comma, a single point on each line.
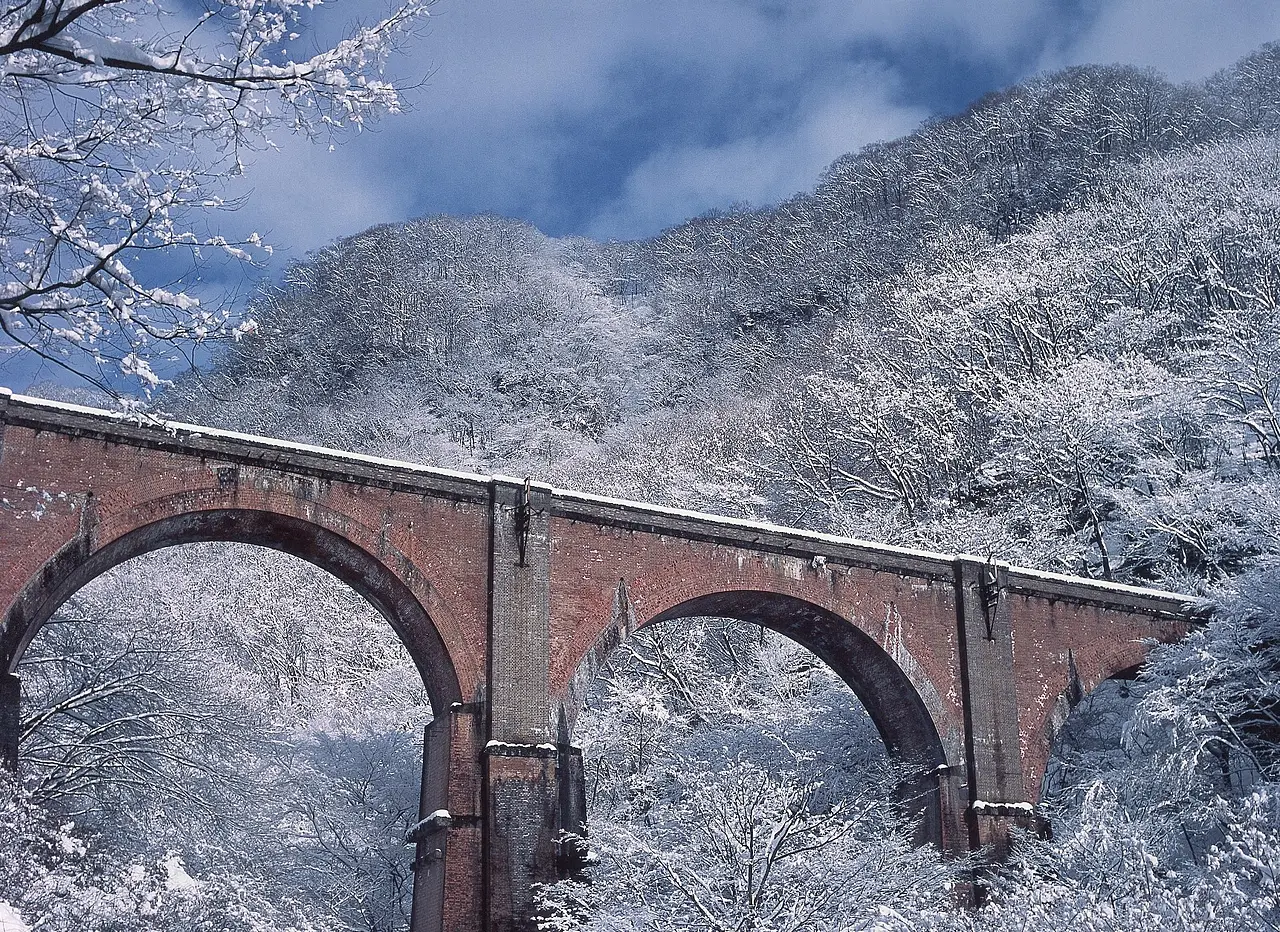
[1045, 330]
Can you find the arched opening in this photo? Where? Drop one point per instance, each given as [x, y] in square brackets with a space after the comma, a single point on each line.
[347, 754]
[1087, 732]
[891, 700]
[763, 735]
[1103, 741]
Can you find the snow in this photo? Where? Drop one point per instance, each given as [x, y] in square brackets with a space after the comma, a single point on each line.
[69, 843]
[439, 817]
[744, 524]
[97, 49]
[510, 744]
[1100, 584]
[808, 538]
[10, 921]
[176, 876]
[982, 806]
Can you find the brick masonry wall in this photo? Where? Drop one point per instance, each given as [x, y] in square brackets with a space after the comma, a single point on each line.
[1051, 636]
[912, 619]
[54, 486]
[58, 490]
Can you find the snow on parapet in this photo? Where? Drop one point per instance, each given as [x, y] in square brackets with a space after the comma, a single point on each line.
[1103, 584]
[516, 746]
[761, 527]
[179, 429]
[745, 524]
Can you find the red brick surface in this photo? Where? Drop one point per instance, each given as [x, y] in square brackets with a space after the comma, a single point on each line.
[438, 548]
[1048, 637]
[913, 619]
[62, 488]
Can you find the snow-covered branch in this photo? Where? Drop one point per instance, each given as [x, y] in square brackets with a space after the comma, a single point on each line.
[120, 122]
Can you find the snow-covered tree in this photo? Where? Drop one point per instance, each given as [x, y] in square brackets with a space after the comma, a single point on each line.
[122, 120]
[242, 711]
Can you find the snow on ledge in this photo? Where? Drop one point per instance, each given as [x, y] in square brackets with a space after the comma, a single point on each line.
[441, 818]
[194, 432]
[982, 807]
[517, 746]
[744, 524]
[1102, 584]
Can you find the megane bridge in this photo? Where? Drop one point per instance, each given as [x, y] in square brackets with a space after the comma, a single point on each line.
[509, 594]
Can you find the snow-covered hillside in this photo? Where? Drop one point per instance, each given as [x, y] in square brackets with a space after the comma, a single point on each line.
[1047, 330]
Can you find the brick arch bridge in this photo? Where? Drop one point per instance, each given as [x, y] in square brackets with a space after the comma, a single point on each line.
[509, 594]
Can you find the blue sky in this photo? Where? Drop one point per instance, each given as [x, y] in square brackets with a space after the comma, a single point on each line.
[616, 118]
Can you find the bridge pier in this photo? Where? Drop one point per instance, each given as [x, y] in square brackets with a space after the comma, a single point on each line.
[522, 820]
[521, 764]
[10, 721]
[997, 799]
[572, 781]
[435, 821]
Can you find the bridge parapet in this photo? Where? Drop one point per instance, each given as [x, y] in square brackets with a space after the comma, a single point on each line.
[330, 463]
[213, 443]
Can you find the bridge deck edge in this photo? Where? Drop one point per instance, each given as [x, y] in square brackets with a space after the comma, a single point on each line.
[234, 447]
[269, 452]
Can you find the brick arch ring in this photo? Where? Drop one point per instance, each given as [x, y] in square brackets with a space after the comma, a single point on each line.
[904, 708]
[79, 562]
[1117, 661]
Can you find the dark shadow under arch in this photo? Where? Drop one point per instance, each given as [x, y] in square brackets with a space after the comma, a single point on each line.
[1069, 700]
[1128, 673]
[75, 565]
[884, 689]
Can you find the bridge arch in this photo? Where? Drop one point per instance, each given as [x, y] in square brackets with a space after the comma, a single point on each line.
[1075, 719]
[76, 564]
[898, 703]
[1086, 670]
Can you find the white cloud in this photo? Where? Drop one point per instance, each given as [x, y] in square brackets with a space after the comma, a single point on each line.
[676, 183]
[1184, 39]
[690, 103]
[304, 196]
[512, 85]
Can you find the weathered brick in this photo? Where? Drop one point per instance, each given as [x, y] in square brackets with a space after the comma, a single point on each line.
[506, 611]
